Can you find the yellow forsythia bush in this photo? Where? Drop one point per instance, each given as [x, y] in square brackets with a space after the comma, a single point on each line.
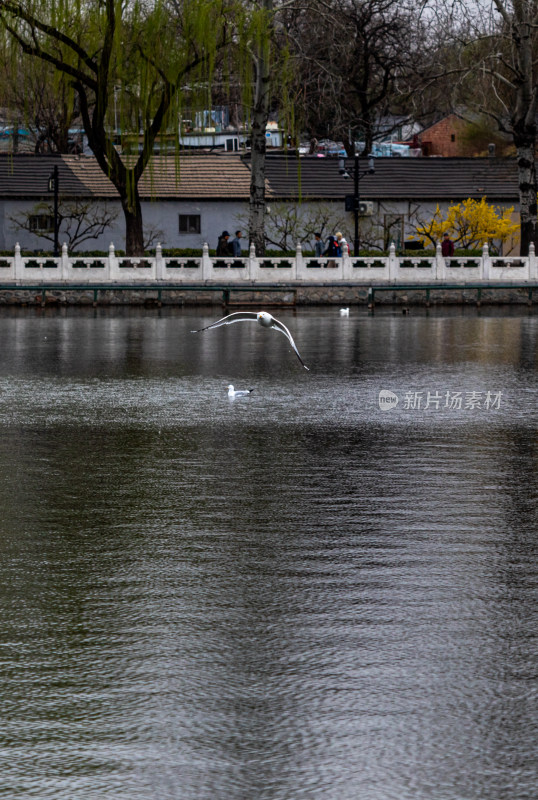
[470, 224]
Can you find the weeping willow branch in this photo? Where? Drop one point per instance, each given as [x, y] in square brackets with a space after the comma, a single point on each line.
[97, 46]
[18, 11]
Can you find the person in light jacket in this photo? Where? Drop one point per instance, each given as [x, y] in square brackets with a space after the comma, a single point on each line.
[236, 244]
[319, 246]
[341, 243]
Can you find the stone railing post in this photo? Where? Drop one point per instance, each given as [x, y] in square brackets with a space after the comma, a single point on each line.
[252, 263]
[346, 264]
[112, 263]
[533, 265]
[299, 261]
[19, 267]
[440, 263]
[486, 263]
[207, 264]
[159, 262]
[64, 263]
[393, 262]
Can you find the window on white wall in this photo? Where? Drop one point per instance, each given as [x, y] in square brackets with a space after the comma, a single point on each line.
[42, 223]
[189, 223]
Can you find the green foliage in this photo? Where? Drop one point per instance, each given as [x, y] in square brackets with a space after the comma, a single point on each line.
[179, 252]
[367, 253]
[128, 64]
[98, 253]
[194, 252]
[415, 253]
[467, 251]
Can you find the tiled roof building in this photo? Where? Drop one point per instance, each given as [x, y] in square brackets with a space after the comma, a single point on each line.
[227, 177]
[190, 200]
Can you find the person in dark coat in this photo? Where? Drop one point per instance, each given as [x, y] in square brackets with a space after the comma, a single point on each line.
[447, 246]
[224, 248]
[332, 247]
[331, 250]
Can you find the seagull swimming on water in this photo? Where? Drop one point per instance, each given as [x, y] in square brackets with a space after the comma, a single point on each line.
[263, 318]
[344, 312]
[239, 392]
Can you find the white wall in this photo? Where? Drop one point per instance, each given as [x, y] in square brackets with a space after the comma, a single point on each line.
[161, 215]
[215, 217]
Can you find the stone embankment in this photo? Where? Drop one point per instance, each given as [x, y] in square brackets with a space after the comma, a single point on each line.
[299, 297]
[300, 280]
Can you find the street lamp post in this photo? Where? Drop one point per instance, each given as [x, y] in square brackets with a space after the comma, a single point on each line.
[54, 182]
[356, 197]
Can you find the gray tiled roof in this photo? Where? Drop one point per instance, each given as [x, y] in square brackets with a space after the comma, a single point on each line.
[199, 176]
[397, 178]
[28, 175]
[227, 176]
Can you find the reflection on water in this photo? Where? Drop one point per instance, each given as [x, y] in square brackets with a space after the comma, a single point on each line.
[292, 595]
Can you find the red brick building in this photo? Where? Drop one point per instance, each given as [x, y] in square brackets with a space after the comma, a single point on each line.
[456, 136]
[444, 138]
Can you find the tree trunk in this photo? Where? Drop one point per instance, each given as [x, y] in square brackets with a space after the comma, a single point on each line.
[524, 119]
[368, 129]
[260, 117]
[256, 224]
[134, 233]
[368, 142]
[527, 196]
[349, 145]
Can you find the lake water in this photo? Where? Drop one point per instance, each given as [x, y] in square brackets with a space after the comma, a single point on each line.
[292, 595]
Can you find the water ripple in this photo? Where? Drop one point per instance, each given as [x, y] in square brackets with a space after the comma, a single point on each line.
[295, 596]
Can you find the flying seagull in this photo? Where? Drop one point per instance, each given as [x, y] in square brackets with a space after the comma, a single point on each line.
[239, 393]
[263, 318]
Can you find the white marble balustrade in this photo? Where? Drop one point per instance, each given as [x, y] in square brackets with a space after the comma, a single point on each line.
[299, 269]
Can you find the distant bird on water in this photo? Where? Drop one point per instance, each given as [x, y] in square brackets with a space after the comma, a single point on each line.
[344, 312]
[263, 318]
[239, 392]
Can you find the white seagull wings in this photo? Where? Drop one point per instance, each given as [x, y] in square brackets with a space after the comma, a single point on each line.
[263, 318]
